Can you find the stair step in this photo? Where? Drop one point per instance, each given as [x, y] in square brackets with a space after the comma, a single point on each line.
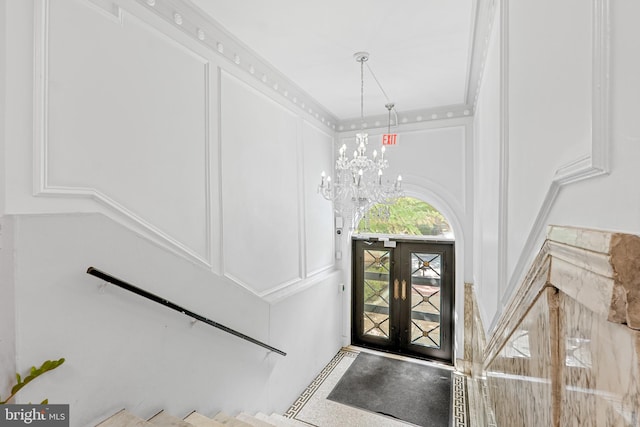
[254, 421]
[124, 418]
[163, 419]
[199, 420]
[263, 417]
[230, 421]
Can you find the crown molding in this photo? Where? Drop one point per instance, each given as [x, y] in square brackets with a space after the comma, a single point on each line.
[198, 25]
[406, 117]
[485, 13]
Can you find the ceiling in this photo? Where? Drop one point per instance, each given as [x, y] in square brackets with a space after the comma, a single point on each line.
[419, 50]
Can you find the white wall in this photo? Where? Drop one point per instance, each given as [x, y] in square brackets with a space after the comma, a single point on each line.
[3, 76]
[136, 144]
[435, 160]
[613, 202]
[549, 107]
[121, 350]
[486, 184]
[7, 315]
[273, 219]
[124, 351]
[259, 170]
[7, 310]
[566, 120]
[303, 324]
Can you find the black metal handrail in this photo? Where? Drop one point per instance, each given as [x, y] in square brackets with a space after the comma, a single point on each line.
[131, 288]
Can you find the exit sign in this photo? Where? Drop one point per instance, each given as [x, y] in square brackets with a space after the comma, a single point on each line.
[390, 139]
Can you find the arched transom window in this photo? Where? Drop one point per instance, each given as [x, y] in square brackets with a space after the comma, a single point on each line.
[407, 216]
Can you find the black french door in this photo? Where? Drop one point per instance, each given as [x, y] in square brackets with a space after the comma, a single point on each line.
[403, 297]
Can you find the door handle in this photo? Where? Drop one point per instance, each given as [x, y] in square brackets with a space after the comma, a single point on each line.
[396, 286]
[404, 290]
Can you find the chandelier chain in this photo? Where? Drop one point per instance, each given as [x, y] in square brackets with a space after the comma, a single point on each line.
[362, 92]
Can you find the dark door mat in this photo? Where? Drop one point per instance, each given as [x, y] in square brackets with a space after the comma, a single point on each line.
[411, 392]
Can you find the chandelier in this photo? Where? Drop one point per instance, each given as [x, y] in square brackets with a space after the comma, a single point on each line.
[359, 181]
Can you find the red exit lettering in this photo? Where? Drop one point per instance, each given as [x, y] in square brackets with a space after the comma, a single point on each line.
[390, 139]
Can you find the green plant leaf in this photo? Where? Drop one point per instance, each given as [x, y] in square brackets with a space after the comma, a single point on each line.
[18, 378]
[34, 373]
[16, 388]
[45, 402]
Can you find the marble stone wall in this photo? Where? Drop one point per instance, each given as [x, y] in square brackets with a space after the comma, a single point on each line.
[565, 351]
[480, 409]
[521, 372]
[600, 379]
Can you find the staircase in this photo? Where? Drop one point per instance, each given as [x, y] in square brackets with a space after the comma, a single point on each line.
[125, 418]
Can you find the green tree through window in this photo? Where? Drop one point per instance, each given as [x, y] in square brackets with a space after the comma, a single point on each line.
[407, 216]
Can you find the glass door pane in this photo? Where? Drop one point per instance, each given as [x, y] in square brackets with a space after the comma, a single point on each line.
[374, 306]
[376, 298]
[426, 320]
[425, 299]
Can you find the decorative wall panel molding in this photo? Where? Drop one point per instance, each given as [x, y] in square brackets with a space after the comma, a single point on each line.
[594, 164]
[262, 203]
[318, 236]
[87, 144]
[503, 171]
[199, 26]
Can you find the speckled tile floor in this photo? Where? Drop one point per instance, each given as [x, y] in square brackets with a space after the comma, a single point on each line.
[313, 408]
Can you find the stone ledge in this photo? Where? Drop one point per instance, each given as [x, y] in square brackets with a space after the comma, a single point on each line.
[625, 261]
[599, 269]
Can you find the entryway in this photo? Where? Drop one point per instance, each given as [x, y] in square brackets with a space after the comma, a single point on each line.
[403, 294]
[316, 407]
